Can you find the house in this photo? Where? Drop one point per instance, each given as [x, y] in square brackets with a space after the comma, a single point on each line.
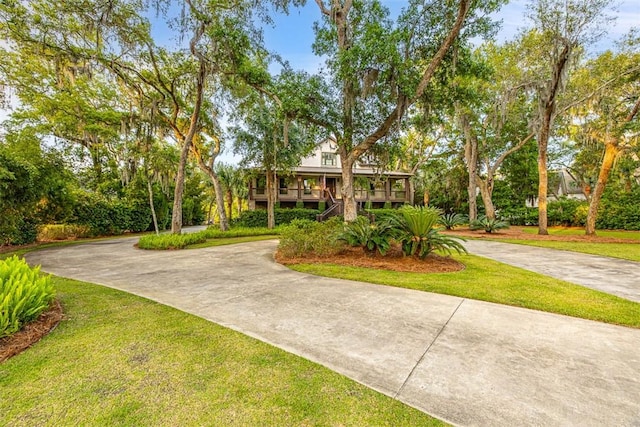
[317, 183]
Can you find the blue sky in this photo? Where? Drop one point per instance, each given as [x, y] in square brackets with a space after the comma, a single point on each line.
[292, 36]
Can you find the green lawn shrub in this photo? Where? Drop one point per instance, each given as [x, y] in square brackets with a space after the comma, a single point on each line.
[50, 232]
[304, 236]
[620, 210]
[107, 217]
[382, 214]
[488, 224]
[452, 220]
[171, 241]
[216, 233]
[258, 217]
[416, 229]
[370, 236]
[24, 294]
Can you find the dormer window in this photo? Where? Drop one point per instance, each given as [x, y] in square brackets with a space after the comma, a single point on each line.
[329, 159]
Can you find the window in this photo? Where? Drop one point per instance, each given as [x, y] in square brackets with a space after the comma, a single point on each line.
[329, 159]
[284, 187]
[261, 184]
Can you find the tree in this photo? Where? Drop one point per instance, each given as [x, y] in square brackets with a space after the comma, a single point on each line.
[114, 38]
[272, 137]
[374, 83]
[609, 117]
[561, 29]
[494, 121]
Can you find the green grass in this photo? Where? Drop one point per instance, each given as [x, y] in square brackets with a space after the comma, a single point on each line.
[118, 359]
[628, 251]
[488, 280]
[230, 241]
[205, 238]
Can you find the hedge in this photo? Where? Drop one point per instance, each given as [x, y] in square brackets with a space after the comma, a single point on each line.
[258, 218]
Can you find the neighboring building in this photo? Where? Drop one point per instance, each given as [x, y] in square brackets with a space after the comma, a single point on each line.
[318, 181]
[561, 184]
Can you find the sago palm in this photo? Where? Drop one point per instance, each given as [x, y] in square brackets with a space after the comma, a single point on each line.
[416, 229]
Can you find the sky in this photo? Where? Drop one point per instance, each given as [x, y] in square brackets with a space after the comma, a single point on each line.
[292, 36]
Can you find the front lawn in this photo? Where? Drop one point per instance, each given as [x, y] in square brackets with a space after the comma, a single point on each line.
[118, 359]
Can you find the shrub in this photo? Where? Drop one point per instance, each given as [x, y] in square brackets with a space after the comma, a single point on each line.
[216, 233]
[171, 241]
[449, 221]
[563, 211]
[370, 236]
[25, 232]
[382, 214]
[258, 218]
[520, 216]
[62, 232]
[488, 224]
[24, 294]
[303, 236]
[416, 230]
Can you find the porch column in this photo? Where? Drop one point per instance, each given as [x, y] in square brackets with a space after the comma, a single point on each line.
[299, 187]
[387, 190]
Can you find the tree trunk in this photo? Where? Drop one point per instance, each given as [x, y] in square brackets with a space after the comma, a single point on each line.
[486, 191]
[348, 197]
[471, 157]
[230, 203]
[217, 188]
[239, 206]
[153, 209]
[176, 216]
[224, 222]
[610, 153]
[543, 183]
[271, 199]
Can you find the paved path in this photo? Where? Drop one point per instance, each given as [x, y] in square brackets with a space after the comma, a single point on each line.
[614, 276]
[464, 361]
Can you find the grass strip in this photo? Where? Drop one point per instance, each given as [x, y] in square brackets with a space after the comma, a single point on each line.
[230, 241]
[200, 239]
[118, 359]
[489, 280]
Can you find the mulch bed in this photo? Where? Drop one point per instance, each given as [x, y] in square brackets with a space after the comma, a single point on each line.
[31, 332]
[394, 260]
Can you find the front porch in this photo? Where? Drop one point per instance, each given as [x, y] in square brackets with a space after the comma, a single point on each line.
[316, 190]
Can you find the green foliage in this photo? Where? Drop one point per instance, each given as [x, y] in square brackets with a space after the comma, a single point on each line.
[370, 236]
[564, 212]
[416, 230]
[520, 215]
[619, 210]
[24, 294]
[452, 220]
[303, 236]
[216, 233]
[382, 214]
[104, 216]
[62, 232]
[171, 241]
[181, 241]
[258, 218]
[488, 224]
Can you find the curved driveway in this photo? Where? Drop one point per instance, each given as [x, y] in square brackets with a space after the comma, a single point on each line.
[464, 361]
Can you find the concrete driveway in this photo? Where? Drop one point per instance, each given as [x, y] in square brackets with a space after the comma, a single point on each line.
[464, 361]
